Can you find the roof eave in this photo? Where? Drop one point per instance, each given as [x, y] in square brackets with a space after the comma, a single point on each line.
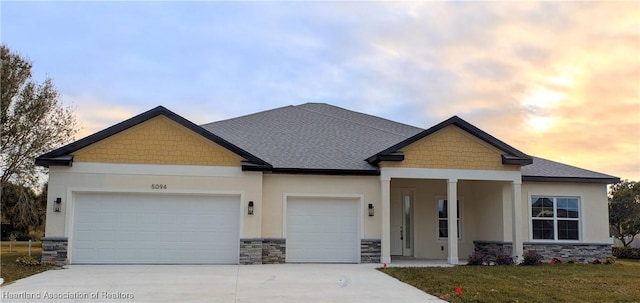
[312, 171]
[57, 161]
[394, 157]
[602, 180]
[511, 160]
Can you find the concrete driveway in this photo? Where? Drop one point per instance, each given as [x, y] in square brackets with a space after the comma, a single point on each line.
[214, 283]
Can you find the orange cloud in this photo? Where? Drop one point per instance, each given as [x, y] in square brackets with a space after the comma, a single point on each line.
[557, 80]
[95, 115]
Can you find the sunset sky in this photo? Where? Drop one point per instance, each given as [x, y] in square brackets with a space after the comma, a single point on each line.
[558, 80]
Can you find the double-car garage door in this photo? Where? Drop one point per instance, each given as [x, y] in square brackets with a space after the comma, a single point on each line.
[118, 228]
[113, 228]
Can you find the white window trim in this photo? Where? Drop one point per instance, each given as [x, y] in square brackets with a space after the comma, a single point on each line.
[555, 239]
[460, 225]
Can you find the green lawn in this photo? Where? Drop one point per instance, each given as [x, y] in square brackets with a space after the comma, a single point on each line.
[619, 282]
[9, 270]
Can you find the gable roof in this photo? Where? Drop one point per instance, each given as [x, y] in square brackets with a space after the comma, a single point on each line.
[63, 155]
[317, 138]
[510, 156]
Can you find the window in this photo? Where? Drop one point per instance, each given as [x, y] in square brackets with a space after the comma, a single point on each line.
[555, 218]
[443, 225]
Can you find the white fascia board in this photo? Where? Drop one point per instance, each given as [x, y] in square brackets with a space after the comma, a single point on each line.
[152, 169]
[386, 173]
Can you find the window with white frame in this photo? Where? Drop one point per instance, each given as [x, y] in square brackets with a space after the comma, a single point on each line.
[443, 222]
[555, 218]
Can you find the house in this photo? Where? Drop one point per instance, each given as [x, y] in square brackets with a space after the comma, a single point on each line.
[312, 183]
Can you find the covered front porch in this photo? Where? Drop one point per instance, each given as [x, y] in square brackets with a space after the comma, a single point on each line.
[433, 216]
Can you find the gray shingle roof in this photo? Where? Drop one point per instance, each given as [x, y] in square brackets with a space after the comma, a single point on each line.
[547, 170]
[313, 136]
[325, 137]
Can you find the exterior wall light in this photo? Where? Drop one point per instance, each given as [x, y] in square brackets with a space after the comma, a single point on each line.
[250, 208]
[57, 206]
[370, 210]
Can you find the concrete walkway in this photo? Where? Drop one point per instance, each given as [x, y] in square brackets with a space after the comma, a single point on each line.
[214, 283]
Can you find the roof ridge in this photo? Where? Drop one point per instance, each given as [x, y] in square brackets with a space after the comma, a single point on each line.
[248, 115]
[351, 121]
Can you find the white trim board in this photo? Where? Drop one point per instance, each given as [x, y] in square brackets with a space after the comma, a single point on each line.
[386, 173]
[153, 169]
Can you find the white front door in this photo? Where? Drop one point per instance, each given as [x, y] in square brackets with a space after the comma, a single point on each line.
[402, 222]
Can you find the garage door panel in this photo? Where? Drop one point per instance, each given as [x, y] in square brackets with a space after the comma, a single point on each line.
[323, 230]
[155, 229]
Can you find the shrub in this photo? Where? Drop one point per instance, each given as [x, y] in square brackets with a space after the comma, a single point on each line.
[596, 261]
[504, 259]
[556, 260]
[27, 261]
[573, 261]
[531, 258]
[626, 252]
[610, 260]
[477, 258]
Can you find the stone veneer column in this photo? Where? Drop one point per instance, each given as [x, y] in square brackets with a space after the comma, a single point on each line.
[54, 249]
[370, 251]
[251, 251]
[274, 250]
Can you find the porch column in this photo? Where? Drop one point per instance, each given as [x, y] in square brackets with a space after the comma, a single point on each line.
[385, 199]
[516, 221]
[452, 219]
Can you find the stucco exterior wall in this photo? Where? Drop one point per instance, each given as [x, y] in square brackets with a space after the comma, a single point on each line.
[486, 206]
[275, 187]
[158, 141]
[451, 148]
[594, 211]
[97, 177]
[427, 244]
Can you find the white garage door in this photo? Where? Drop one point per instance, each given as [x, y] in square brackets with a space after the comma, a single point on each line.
[155, 229]
[323, 230]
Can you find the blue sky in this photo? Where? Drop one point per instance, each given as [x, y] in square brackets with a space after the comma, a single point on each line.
[559, 80]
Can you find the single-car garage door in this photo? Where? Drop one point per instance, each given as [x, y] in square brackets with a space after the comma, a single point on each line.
[323, 230]
[113, 228]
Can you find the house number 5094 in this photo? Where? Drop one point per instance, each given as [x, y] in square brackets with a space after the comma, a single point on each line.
[158, 186]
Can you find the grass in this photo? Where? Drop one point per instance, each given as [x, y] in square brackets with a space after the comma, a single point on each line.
[9, 269]
[546, 283]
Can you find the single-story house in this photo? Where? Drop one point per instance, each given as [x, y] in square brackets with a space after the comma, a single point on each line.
[312, 183]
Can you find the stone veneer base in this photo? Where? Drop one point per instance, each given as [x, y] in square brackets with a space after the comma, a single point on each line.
[583, 252]
[274, 250]
[54, 249]
[370, 250]
[252, 251]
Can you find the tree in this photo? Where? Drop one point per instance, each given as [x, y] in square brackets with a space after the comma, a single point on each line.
[11, 214]
[624, 210]
[32, 122]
